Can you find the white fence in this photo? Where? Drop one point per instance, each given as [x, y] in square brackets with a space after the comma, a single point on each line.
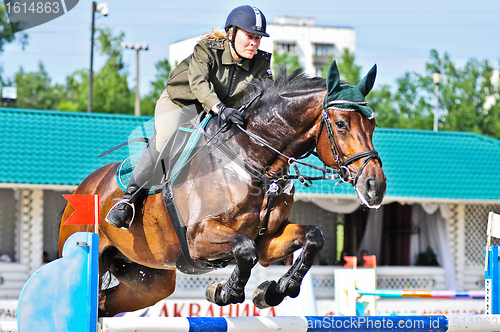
[12, 279]
[193, 287]
[13, 276]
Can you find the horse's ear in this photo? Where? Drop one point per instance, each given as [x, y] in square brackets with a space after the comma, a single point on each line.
[333, 79]
[366, 84]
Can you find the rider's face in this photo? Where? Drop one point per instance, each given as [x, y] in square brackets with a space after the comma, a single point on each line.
[246, 44]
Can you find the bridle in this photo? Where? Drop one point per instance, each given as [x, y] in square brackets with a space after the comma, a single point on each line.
[342, 162]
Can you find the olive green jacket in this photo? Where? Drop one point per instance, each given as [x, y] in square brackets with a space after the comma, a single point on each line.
[210, 75]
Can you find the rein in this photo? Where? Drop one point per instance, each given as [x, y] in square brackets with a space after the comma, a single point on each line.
[303, 179]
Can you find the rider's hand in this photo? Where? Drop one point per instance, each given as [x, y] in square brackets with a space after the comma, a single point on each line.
[230, 115]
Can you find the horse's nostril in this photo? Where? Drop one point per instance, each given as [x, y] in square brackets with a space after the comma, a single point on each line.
[371, 187]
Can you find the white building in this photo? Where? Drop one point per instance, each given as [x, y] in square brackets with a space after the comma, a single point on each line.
[314, 45]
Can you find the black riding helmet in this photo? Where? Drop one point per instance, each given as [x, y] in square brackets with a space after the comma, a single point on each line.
[247, 18]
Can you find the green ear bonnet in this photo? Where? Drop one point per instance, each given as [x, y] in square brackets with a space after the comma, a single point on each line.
[348, 97]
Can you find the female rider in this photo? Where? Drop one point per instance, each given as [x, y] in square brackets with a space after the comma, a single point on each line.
[211, 79]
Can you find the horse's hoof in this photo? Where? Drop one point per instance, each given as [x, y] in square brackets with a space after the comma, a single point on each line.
[261, 293]
[293, 290]
[213, 291]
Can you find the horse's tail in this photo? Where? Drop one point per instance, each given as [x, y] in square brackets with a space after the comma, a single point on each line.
[58, 219]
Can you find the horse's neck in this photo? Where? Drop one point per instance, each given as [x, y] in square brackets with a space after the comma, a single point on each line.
[283, 132]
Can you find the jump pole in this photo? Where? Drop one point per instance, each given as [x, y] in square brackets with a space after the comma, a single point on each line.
[455, 323]
[424, 293]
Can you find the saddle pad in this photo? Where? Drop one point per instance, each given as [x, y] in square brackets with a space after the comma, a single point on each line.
[126, 167]
[124, 173]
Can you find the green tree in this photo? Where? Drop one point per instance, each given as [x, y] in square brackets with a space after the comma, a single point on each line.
[468, 100]
[349, 71]
[111, 93]
[289, 61]
[148, 102]
[76, 92]
[34, 89]
[381, 101]
[7, 36]
[463, 95]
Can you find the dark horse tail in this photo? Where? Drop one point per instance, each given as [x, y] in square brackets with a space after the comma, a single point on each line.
[58, 218]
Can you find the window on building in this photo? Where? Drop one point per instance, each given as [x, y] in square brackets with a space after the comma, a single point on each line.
[324, 49]
[8, 217]
[286, 47]
[318, 71]
[323, 55]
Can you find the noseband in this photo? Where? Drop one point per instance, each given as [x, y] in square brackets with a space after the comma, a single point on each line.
[342, 162]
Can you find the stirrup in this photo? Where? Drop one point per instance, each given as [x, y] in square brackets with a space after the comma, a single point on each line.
[123, 201]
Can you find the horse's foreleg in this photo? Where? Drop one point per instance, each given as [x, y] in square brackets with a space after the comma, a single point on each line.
[233, 290]
[288, 239]
[220, 242]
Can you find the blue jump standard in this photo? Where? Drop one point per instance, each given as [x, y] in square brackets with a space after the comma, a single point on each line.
[62, 295]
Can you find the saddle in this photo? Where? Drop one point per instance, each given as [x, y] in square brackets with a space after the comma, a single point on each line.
[171, 160]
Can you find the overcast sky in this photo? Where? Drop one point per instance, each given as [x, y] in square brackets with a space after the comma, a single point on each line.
[397, 35]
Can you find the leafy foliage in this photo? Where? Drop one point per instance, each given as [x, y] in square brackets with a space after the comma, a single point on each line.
[111, 93]
[349, 71]
[34, 89]
[468, 98]
[427, 258]
[75, 92]
[7, 36]
[289, 61]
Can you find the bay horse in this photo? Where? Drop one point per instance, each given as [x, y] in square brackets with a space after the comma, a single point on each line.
[224, 198]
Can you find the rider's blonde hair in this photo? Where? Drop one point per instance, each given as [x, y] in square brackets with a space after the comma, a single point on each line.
[214, 34]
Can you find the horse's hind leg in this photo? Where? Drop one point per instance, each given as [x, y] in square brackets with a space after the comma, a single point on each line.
[139, 287]
[288, 239]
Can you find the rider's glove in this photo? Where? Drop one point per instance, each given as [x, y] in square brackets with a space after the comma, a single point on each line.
[230, 115]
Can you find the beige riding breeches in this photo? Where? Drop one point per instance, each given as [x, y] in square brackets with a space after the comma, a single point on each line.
[168, 117]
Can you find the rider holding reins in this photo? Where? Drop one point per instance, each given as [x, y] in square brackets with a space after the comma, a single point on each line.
[211, 79]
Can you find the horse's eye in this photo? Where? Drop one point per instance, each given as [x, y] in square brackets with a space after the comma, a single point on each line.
[341, 125]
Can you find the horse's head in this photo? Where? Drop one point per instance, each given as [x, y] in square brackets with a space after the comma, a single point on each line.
[344, 139]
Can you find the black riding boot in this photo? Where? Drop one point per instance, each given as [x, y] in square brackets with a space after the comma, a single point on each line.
[122, 213]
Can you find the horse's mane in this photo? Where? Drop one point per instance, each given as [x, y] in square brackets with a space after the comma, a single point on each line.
[297, 82]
